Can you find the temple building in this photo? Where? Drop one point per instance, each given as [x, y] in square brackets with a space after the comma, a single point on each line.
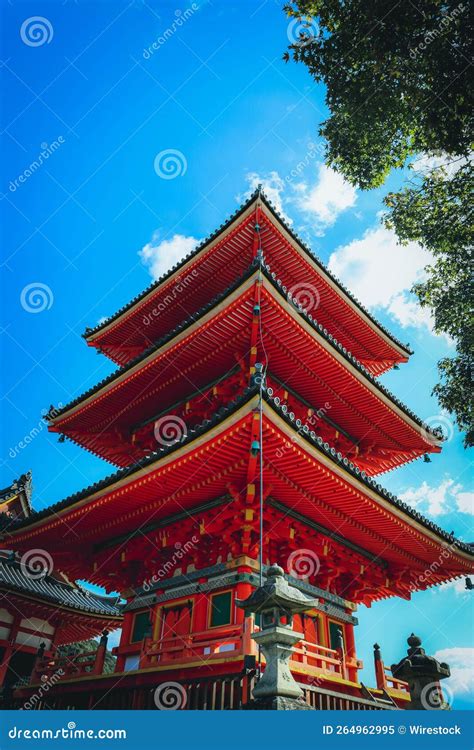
[248, 427]
[40, 609]
[15, 500]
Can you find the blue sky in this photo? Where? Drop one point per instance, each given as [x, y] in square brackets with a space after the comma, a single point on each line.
[111, 86]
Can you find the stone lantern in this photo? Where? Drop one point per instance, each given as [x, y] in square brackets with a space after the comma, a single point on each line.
[423, 674]
[277, 602]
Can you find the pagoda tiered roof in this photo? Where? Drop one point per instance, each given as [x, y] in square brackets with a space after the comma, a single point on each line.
[306, 476]
[301, 352]
[213, 266]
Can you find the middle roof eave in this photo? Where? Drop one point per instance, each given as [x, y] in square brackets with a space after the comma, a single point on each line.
[239, 287]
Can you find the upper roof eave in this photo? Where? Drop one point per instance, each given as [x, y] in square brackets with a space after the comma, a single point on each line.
[221, 415]
[277, 284]
[255, 197]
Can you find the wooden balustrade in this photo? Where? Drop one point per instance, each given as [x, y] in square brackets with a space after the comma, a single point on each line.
[321, 658]
[323, 699]
[231, 692]
[230, 640]
[393, 683]
[204, 644]
[383, 674]
[77, 665]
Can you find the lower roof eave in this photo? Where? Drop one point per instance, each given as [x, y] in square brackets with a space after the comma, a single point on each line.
[225, 418]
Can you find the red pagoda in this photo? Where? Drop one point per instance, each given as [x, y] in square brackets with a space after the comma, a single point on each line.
[249, 428]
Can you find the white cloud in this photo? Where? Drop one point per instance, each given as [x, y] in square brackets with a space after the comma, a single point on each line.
[465, 502]
[408, 312]
[273, 187]
[381, 272]
[322, 201]
[461, 663]
[426, 163]
[327, 198]
[447, 497]
[458, 586]
[160, 256]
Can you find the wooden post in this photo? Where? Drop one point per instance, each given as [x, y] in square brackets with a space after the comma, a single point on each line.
[201, 606]
[380, 678]
[9, 650]
[5, 663]
[124, 639]
[340, 652]
[351, 651]
[100, 654]
[35, 672]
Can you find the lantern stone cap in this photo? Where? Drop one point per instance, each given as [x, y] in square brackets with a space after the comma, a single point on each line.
[418, 662]
[277, 592]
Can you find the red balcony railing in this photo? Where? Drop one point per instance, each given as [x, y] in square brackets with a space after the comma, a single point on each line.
[326, 661]
[204, 645]
[77, 665]
[234, 640]
[383, 674]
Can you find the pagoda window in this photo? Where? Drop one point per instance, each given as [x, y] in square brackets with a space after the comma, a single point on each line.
[336, 629]
[141, 626]
[220, 609]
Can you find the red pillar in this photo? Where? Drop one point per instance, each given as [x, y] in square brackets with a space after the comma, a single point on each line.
[351, 651]
[201, 604]
[380, 678]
